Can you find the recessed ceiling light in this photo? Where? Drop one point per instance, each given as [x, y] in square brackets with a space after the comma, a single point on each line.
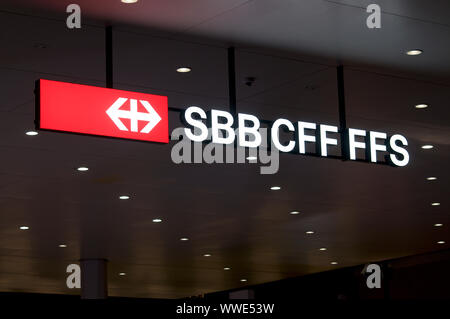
[157, 220]
[124, 197]
[62, 246]
[82, 169]
[294, 213]
[421, 106]
[24, 227]
[226, 268]
[414, 52]
[243, 280]
[441, 242]
[207, 255]
[32, 133]
[438, 225]
[431, 178]
[122, 274]
[322, 249]
[310, 232]
[252, 158]
[435, 204]
[129, 1]
[334, 263]
[184, 239]
[427, 147]
[183, 70]
[275, 188]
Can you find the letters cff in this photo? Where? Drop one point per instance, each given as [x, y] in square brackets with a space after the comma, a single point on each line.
[222, 125]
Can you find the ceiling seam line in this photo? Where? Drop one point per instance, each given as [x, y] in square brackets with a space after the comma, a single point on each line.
[217, 15]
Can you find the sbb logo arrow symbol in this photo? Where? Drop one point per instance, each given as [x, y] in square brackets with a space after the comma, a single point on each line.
[133, 115]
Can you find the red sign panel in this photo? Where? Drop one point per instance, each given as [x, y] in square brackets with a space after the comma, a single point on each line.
[92, 110]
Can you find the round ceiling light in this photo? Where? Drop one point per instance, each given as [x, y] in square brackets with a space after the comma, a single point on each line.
[435, 204]
[414, 52]
[184, 70]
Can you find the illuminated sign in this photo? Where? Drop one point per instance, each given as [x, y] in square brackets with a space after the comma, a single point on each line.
[75, 108]
[83, 109]
[223, 127]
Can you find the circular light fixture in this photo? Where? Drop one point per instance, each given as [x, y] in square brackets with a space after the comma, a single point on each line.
[334, 263]
[31, 133]
[275, 188]
[124, 197]
[431, 178]
[414, 52]
[294, 213]
[24, 227]
[207, 255]
[184, 239]
[243, 280]
[184, 70]
[322, 249]
[427, 147]
[157, 220]
[421, 106]
[252, 158]
[441, 242]
[129, 1]
[226, 268]
[438, 225]
[435, 204]
[309, 232]
[122, 274]
[62, 246]
[82, 169]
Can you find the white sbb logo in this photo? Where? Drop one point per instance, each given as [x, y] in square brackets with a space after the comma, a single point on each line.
[116, 114]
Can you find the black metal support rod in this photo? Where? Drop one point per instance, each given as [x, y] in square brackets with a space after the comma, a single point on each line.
[232, 80]
[109, 56]
[342, 115]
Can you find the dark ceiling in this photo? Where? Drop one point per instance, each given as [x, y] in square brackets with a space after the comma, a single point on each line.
[360, 212]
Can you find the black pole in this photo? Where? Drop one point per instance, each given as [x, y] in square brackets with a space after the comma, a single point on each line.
[342, 116]
[232, 80]
[109, 56]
